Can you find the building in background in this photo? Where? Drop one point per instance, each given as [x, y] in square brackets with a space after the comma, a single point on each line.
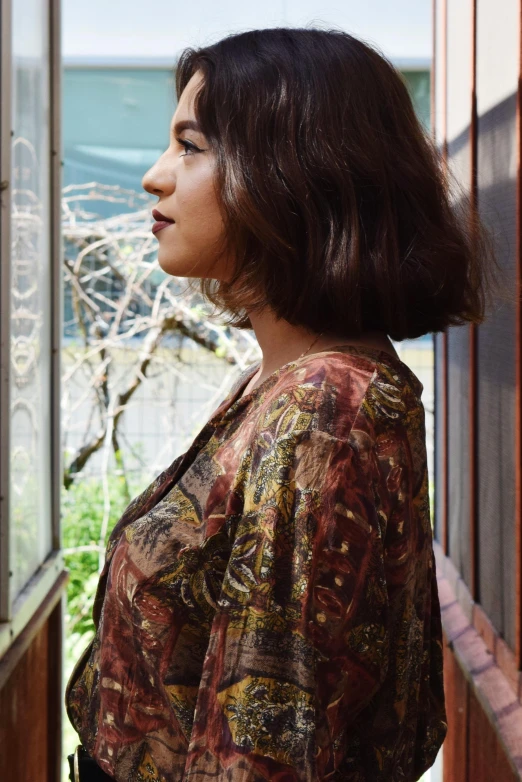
[116, 119]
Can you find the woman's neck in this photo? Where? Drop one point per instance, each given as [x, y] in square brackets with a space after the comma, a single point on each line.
[282, 342]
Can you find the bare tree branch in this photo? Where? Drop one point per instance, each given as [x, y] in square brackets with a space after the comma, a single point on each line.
[121, 298]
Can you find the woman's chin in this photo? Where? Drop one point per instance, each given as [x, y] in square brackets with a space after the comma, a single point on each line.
[180, 265]
[177, 267]
[167, 266]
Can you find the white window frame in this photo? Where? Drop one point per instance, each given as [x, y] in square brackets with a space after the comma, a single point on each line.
[16, 614]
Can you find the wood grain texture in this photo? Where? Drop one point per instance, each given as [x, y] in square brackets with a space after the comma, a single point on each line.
[31, 708]
[486, 756]
[24, 719]
[518, 370]
[454, 749]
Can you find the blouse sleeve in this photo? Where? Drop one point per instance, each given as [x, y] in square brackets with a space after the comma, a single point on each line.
[299, 642]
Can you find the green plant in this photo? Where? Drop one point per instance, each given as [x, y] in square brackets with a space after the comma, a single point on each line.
[83, 508]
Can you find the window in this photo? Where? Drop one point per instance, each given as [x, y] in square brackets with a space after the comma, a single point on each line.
[30, 307]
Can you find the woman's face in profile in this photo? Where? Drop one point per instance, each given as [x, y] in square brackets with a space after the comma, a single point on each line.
[183, 178]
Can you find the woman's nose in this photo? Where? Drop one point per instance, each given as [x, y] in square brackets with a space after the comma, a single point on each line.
[157, 180]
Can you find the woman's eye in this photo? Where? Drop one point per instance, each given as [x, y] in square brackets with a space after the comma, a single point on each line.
[189, 147]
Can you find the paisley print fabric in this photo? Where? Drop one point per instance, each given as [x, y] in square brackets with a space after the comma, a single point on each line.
[268, 609]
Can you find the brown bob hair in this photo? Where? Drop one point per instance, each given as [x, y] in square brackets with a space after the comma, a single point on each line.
[335, 200]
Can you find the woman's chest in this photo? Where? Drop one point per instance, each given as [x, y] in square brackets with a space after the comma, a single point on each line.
[190, 523]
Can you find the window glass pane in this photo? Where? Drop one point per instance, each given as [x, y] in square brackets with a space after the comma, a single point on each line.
[30, 294]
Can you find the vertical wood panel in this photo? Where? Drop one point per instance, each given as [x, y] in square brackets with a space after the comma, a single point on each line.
[459, 70]
[472, 751]
[444, 423]
[439, 133]
[444, 357]
[487, 759]
[31, 696]
[433, 72]
[473, 389]
[518, 373]
[454, 749]
[55, 691]
[24, 716]
[433, 130]
[497, 67]
[434, 126]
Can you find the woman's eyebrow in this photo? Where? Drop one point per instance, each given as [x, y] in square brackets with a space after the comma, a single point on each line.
[186, 124]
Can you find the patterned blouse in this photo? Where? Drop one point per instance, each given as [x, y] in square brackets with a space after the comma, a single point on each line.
[268, 609]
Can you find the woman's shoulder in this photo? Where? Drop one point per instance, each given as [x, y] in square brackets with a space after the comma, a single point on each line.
[335, 391]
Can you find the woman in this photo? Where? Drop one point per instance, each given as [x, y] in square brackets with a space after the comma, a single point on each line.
[268, 608]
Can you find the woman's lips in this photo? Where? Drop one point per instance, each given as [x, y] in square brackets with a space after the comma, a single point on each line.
[161, 221]
[161, 224]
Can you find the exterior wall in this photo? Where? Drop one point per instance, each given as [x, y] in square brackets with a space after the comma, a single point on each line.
[476, 96]
[482, 687]
[472, 751]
